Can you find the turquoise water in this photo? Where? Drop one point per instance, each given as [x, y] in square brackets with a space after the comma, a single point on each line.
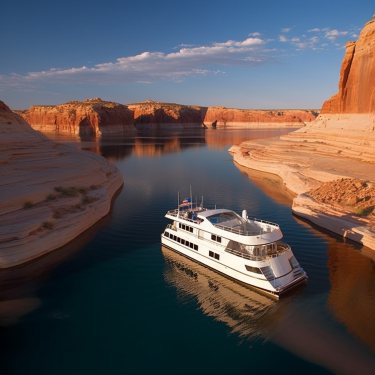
[115, 302]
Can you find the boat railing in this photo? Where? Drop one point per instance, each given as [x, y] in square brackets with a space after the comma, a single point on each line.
[242, 232]
[263, 221]
[282, 247]
[177, 213]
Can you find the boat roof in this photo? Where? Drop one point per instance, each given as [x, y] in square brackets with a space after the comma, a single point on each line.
[229, 224]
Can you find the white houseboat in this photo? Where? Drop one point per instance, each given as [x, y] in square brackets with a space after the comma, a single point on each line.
[246, 249]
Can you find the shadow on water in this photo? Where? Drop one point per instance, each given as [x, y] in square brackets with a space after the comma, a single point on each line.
[296, 327]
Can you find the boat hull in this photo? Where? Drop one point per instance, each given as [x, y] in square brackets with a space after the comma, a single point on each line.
[234, 267]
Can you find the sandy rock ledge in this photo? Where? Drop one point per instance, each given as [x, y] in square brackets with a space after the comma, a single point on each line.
[49, 192]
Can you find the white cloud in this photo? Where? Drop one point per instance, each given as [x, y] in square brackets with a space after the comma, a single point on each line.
[283, 38]
[286, 30]
[333, 34]
[152, 66]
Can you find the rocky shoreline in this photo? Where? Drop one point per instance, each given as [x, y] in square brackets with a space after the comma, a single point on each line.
[325, 179]
[330, 163]
[49, 192]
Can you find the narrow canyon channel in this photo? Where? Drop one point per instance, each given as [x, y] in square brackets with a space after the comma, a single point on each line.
[115, 301]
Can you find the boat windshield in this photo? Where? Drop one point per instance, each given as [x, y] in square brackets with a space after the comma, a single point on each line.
[225, 218]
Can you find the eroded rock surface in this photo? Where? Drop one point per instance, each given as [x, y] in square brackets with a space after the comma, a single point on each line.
[49, 192]
[318, 160]
[259, 118]
[155, 115]
[90, 117]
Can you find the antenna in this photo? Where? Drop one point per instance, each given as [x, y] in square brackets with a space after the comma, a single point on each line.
[178, 203]
[191, 199]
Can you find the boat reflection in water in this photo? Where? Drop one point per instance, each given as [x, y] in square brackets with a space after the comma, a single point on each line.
[297, 325]
[240, 307]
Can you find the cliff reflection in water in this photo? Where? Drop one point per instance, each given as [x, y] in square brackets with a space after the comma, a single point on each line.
[157, 143]
[351, 298]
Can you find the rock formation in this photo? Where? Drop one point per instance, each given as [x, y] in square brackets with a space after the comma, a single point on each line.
[259, 118]
[156, 115]
[356, 86]
[151, 114]
[320, 159]
[49, 192]
[90, 117]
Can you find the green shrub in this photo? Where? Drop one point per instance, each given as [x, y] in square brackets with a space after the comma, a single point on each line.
[28, 204]
[48, 225]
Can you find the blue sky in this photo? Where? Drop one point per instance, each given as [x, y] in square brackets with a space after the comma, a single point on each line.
[244, 54]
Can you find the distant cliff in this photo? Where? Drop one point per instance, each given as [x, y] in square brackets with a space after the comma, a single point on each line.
[90, 117]
[151, 114]
[155, 115]
[252, 118]
[49, 192]
[357, 76]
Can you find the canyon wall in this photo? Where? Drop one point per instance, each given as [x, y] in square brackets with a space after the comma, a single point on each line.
[259, 118]
[90, 117]
[49, 192]
[155, 115]
[357, 76]
[346, 124]
[330, 163]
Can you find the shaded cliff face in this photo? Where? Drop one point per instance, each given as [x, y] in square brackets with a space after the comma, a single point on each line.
[151, 114]
[357, 77]
[156, 115]
[233, 116]
[49, 192]
[90, 117]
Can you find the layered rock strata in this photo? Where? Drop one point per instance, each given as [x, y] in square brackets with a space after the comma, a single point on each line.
[90, 117]
[49, 192]
[259, 118]
[336, 148]
[156, 115]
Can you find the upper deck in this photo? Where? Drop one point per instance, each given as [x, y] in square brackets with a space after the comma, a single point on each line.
[227, 220]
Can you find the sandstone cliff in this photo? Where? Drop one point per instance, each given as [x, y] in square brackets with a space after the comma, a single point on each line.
[259, 118]
[318, 161]
[90, 117]
[356, 86]
[49, 192]
[156, 115]
[151, 114]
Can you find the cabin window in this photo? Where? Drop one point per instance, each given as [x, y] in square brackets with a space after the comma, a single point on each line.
[253, 269]
[196, 247]
[214, 255]
[191, 229]
[166, 234]
[215, 238]
[182, 242]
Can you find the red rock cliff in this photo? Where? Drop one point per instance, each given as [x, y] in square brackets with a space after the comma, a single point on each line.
[357, 77]
[152, 114]
[92, 116]
[251, 117]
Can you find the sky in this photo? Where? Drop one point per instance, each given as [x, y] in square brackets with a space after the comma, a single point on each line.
[238, 54]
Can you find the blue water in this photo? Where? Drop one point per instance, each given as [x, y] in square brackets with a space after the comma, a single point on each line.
[115, 302]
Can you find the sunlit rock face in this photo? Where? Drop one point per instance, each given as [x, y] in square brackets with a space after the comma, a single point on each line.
[357, 77]
[252, 118]
[90, 117]
[155, 115]
[49, 192]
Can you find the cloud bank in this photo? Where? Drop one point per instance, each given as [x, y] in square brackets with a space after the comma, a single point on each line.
[148, 67]
[187, 61]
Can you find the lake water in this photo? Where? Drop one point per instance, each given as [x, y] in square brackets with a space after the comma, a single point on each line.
[115, 302]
